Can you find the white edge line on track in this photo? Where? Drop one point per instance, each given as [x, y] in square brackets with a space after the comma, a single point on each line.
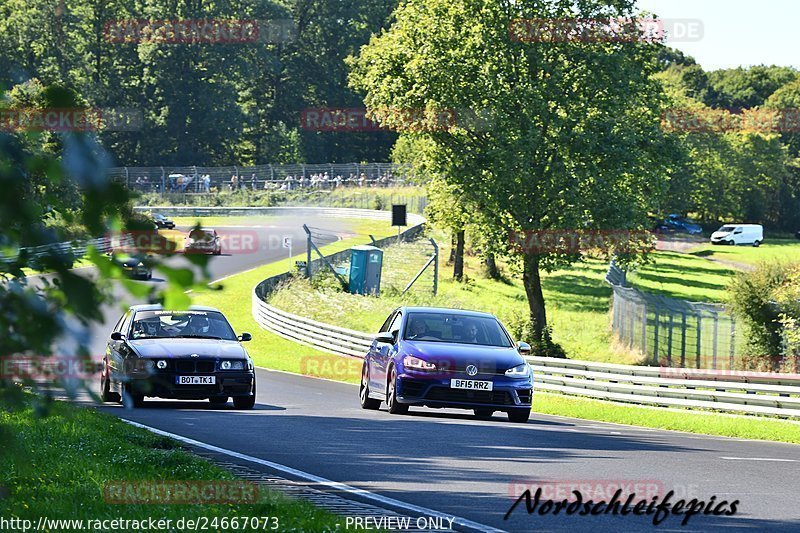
[775, 459]
[321, 481]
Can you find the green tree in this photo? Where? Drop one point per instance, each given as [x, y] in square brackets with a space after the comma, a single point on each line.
[553, 155]
[744, 88]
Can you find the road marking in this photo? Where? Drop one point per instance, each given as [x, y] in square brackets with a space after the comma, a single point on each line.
[335, 485]
[760, 459]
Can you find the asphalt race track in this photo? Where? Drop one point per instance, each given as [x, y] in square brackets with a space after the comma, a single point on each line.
[450, 462]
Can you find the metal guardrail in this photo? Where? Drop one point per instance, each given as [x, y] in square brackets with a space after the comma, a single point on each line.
[760, 393]
[77, 249]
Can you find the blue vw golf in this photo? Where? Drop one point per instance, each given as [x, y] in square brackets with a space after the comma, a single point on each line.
[447, 358]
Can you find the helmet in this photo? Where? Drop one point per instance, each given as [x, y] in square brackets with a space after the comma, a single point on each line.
[200, 324]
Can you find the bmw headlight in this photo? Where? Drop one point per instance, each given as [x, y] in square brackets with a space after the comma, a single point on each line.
[519, 371]
[415, 363]
[232, 365]
[161, 364]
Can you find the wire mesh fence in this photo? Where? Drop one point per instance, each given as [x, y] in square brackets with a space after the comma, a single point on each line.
[672, 332]
[198, 180]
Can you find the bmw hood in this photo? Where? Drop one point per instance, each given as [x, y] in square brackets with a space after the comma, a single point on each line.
[177, 348]
[460, 355]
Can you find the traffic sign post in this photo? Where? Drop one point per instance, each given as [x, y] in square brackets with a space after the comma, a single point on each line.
[287, 243]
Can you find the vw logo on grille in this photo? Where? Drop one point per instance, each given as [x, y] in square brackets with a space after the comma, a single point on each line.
[195, 355]
[472, 370]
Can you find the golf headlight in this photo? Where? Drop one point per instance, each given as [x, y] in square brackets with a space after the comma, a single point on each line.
[232, 365]
[416, 363]
[161, 364]
[519, 371]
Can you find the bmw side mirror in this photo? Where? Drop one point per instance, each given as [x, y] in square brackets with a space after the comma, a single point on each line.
[244, 337]
[117, 336]
[523, 348]
[385, 338]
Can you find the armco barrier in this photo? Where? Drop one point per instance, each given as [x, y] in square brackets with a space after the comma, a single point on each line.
[737, 392]
[78, 249]
[730, 391]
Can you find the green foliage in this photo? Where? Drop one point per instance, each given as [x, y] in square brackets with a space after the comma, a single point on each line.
[55, 187]
[739, 88]
[551, 155]
[752, 297]
[202, 104]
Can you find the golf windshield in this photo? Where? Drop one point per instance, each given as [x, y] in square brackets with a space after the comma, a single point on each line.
[174, 324]
[456, 328]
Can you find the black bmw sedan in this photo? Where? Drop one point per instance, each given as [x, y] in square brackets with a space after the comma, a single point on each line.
[187, 355]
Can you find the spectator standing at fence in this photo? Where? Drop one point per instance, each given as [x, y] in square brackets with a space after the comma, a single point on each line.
[234, 183]
[207, 183]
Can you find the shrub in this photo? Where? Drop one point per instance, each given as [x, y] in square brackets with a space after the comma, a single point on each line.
[521, 328]
[754, 300]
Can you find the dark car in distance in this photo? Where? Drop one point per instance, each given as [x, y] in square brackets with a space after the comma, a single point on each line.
[438, 358]
[135, 265]
[678, 224]
[163, 222]
[187, 355]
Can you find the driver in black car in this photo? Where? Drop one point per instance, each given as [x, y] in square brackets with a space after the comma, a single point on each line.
[198, 325]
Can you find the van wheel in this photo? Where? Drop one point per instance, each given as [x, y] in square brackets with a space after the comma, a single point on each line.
[756, 244]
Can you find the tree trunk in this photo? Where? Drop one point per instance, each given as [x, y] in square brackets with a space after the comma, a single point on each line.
[533, 289]
[492, 272]
[452, 249]
[458, 260]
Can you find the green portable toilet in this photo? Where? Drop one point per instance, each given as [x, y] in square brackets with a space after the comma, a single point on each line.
[365, 270]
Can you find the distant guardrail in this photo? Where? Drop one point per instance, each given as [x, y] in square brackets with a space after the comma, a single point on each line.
[755, 393]
[76, 249]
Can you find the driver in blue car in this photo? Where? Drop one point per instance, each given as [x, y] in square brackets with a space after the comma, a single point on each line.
[417, 329]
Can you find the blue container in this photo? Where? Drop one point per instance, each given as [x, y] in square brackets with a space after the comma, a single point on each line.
[366, 263]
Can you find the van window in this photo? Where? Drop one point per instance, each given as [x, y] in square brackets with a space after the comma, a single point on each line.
[727, 229]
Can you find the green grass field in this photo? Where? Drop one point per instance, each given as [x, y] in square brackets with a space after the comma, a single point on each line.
[771, 250]
[63, 464]
[578, 300]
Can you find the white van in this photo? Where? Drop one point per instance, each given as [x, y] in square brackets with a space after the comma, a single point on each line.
[739, 234]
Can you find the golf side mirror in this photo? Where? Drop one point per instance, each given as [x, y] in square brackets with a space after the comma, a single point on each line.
[523, 348]
[244, 337]
[117, 336]
[385, 338]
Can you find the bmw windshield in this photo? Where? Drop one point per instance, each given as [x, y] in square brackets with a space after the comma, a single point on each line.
[456, 328]
[181, 324]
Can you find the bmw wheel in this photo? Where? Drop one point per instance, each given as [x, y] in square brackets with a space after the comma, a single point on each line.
[245, 402]
[105, 386]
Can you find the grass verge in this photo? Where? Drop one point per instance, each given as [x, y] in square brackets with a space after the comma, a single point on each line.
[581, 302]
[59, 464]
[704, 422]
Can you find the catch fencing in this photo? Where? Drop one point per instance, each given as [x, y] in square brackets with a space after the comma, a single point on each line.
[192, 179]
[672, 332]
